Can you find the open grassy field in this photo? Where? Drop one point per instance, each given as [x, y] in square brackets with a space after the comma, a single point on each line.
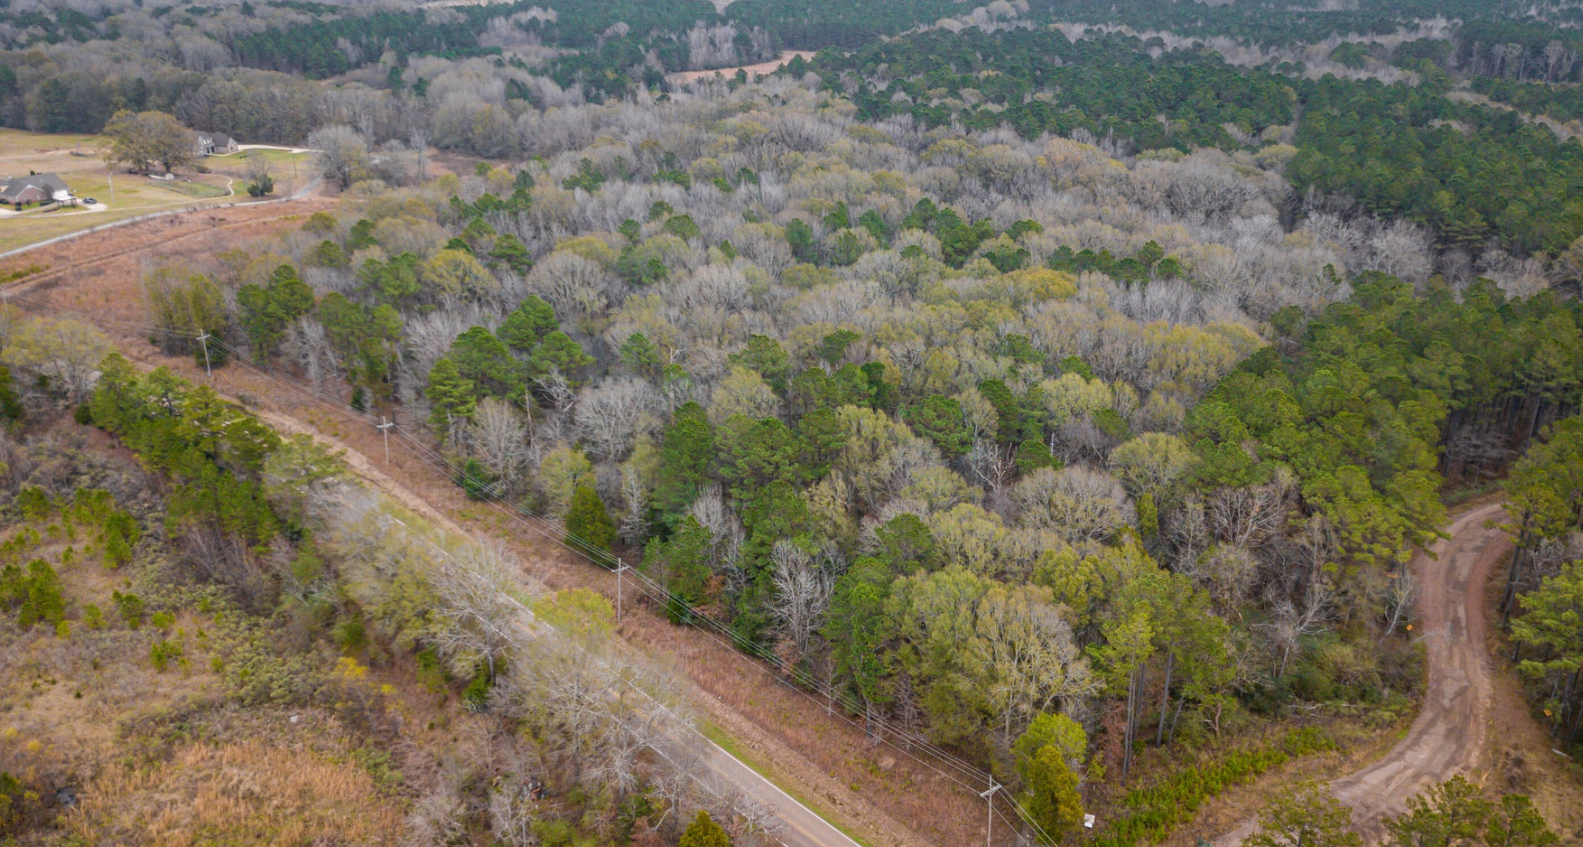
[79, 160]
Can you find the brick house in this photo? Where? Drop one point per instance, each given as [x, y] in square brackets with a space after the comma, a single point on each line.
[34, 188]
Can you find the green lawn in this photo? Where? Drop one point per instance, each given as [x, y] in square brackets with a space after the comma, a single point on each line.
[200, 190]
[17, 142]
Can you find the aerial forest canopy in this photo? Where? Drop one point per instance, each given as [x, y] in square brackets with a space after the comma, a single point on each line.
[1369, 129]
[1470, 172]
[1063, 390]
[890, 402]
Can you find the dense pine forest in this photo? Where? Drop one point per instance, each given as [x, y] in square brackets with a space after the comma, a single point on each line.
[1065, 392]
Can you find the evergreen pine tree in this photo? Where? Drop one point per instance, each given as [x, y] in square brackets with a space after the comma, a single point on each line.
[704, 832]
[450, 395]
[588, 520]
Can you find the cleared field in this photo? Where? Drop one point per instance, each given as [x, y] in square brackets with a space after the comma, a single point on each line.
[79, 160]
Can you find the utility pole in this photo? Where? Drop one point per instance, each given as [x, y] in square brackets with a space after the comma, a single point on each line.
[989, 825]
[384, 429]
[621, 567]
[203, 341]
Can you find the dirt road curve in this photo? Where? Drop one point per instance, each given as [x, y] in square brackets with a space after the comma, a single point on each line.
[1448, 736]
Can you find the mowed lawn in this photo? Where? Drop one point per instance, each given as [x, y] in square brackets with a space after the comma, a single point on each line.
[79, 160]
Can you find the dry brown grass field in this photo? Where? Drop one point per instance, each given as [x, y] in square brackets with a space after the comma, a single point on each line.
[155, 756]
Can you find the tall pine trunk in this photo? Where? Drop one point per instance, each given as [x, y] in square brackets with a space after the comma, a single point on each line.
[1515, 573]
[1132, 713]
[1165, 699]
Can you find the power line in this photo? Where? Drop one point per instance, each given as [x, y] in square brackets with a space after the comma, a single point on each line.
[546, 528]
[528, 612]
[653, 590]
[521, 607]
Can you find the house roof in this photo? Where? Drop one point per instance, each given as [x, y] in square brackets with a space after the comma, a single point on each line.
[12, 188]
[218, 139]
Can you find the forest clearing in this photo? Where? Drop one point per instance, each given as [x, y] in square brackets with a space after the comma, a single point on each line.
[79, 160]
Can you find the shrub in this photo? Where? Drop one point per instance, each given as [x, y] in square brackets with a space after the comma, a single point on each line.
[131, 608]
[34, 503]
[476, 696]
[162, 652]
[704, 832]
[1156, 810]
[431, 671]
[37, 593]
[477, 482]
[351, 634]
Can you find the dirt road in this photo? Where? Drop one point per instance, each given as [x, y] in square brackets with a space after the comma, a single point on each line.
[1448, 738]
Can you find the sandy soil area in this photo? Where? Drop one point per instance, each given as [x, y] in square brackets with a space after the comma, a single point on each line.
[761, 68]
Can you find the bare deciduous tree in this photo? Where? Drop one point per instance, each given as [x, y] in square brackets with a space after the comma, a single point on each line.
[481, 618]
[802, 592]
[1077, 502]
[635, 512]
[1228, 573]
[438, 817]
[726, 531]
[989, 465]
[1248, 516]
[572, 284]
[610, 416]
[1404, 589]
[340, 153]
[498, 436]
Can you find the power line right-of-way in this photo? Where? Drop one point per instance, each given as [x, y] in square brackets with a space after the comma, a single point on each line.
[960, 772]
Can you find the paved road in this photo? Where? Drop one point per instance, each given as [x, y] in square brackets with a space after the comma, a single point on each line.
[800, 827]
[1448, 736]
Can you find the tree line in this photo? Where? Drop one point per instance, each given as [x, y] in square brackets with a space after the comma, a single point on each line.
[1471, 173]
